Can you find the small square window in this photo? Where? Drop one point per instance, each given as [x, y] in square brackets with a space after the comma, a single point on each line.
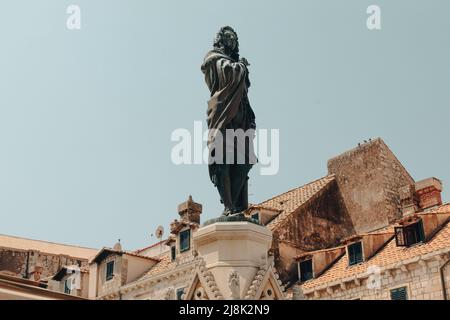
[180, 292]
[399, 294]
[255, 216]
[109, 270]
[306, 270]
[185, 240]
[355, 255]
[173, 252]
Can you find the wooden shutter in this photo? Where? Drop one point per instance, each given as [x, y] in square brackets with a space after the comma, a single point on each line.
[399, 294]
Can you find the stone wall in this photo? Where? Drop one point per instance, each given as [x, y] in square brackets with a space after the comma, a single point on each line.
[369, 178]
[23, 262]
[104, 286]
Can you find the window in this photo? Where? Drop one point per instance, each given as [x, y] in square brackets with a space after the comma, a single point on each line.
[185, 240]
[306, 271]
[109, 270]
[255, 216]
[173, 252]
[66, 286]
[410, 234]
[180, 292]
[355, 255]
[399, 294]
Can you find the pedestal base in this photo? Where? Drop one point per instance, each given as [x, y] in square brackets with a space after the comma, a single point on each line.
[233, 251]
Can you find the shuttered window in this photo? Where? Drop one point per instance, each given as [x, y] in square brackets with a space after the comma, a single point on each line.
[109, 270]
[306, 271]
[409, 235]
[67, 286]
[355, 254]
[399, 294]
[173, 252]
[185, 240]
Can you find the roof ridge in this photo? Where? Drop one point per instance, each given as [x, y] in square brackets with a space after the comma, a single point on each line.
[150, 246]
[50, 242]
[302, 186]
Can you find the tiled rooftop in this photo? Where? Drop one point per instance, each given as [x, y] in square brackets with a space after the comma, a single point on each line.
[290, 201]
[164, 264]
[390, 254]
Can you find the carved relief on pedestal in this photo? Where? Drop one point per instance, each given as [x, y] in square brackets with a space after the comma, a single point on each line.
[233, 283]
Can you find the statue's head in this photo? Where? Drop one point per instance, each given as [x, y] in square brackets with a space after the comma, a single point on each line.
[227, 42]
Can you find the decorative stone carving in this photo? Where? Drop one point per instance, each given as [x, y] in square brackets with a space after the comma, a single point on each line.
[233, 282]
[199, 294]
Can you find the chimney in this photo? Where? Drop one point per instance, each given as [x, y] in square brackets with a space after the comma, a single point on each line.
[429, 193]
[190, 211]
[409, 202]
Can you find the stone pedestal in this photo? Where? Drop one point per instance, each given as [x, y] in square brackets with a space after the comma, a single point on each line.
[233, 250]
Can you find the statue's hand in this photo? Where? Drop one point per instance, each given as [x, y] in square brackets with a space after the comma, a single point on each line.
[244, 61]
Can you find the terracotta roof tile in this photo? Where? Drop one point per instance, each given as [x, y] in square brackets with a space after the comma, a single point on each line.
[288, 202]
[164, 264]
[389, 255]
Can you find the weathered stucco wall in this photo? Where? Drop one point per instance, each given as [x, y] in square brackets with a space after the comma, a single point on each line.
[369, 178]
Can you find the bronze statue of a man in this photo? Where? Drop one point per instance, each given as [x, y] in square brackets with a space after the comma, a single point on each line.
[229, 111]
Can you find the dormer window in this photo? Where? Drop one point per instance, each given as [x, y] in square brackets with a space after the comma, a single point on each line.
[255, 216]
[410, 234]
[306, 270]
[355, 254]
[173, 252]
[109, 270]
[185, 240]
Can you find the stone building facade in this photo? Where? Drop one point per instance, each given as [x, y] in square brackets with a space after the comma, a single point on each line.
[409, 260]
[39, 261]
[227, 260]
[318, 215]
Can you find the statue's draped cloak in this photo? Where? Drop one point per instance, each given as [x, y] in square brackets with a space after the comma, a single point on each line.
[228, 107]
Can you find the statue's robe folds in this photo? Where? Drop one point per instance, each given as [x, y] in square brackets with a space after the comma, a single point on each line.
[228, 108]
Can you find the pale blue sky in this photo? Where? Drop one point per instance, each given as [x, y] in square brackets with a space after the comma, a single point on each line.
[86, 116]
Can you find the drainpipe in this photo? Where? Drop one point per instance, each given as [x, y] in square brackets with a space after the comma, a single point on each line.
[441, 270]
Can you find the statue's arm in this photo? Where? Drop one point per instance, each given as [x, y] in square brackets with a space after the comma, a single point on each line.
[231, 70]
